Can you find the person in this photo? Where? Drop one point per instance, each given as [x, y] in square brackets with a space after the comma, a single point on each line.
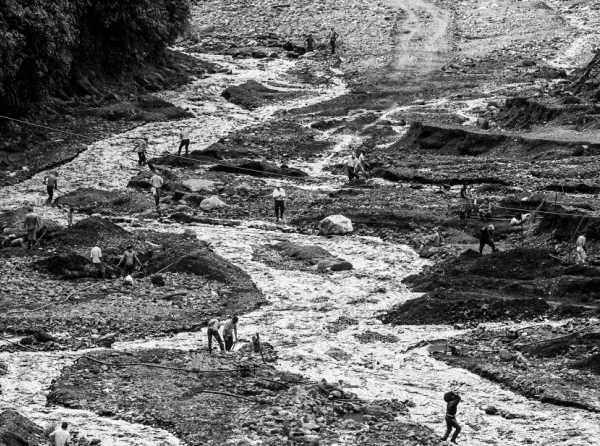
[485, 212]
[184, 141]
[581, 254]
[452, 399]
[230, 335]
[70, 217]
[468, 204]
[310, 43]
[51, 182]
[362, 164]
[351, 165]
[157, 183]
[141, 149]
[32, 224]
[96, 256]
[486, 237]
[213, 332]
[61, 436]
[279, 199]
[129, 260]
[520, 219]
[333, 36]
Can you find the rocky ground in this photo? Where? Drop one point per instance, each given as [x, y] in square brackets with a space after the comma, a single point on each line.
[438, 94]
[208, 399]
[556, 364]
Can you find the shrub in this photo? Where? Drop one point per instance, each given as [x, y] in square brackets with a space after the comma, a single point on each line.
[46, 45]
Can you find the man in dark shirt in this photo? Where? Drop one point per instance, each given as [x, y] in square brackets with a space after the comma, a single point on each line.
[486, 237]
[333, 37]
[51, 185]
[452, 399]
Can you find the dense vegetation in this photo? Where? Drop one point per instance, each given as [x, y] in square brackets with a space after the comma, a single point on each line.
[50, 47]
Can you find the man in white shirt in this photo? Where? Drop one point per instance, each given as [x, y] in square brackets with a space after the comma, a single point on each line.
[351, 165]
[156, 183]
[279, 198]
[96, 257]
[229, 331]
[185, 141]
[61, 436]
[213, 332]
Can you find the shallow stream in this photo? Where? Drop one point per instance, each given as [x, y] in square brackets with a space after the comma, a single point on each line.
[302, 305]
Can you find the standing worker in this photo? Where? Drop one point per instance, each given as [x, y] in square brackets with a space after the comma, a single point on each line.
[184, 141]
[51, 182]
[61, 436]
[310, 43]
[362, 164]
[452, 399]
[351, 165]
[279, 199]
[580, 252]
[156, 183]
[213, 332]
[32, 225]
[129, 260]
[486, 237]
[333, 36]
[96, 257]
[70, 217]
[141, 148]
[467, 201]
[229, 331]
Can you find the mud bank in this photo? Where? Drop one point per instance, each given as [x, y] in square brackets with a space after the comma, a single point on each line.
[555, 364]
[208, 399]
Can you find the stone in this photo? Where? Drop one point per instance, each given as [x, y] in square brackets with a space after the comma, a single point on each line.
[506, 355]
[335, 225]
[157, 280]
[107, 340]
[338, 354]
[211, 203]
[491, 410]
[200, 185]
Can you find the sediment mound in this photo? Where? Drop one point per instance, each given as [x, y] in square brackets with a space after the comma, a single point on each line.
[290, 255]
[279, 139]
[192, 159]
[522, 113]
[458, 141]
[91, 200]
[499, 286]
[464, 308]
[88, 232]
[247, 396]
[16, 430]
[252, 95]
[554, 364]
[258, 169]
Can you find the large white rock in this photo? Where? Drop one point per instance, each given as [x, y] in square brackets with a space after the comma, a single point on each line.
[200, 185]
[335, 225]
[210, 203]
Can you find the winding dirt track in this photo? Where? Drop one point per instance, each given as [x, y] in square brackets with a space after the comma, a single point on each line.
[424, 44]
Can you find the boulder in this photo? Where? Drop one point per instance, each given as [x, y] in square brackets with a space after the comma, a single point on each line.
[335, 225]
[211, 203]
[106, 341]
[200, 185]
[506, 355]
[312, 255]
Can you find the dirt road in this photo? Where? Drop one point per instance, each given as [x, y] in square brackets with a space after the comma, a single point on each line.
[423, 43]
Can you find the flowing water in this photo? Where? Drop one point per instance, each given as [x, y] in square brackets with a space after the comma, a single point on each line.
[302, 304]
